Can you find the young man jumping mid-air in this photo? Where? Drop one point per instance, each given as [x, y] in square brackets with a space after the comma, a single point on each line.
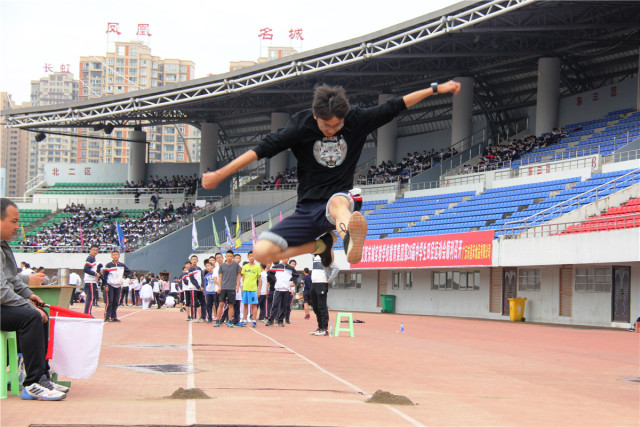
[327, 141]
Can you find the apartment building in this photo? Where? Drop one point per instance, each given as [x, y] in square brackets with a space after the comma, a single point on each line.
[14, 153]
[129, 68]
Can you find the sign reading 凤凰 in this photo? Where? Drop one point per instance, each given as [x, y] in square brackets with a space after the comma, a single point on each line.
[445, 250]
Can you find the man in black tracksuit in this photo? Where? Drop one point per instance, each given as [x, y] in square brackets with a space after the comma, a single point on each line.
[91, 278]
[321, 278]
[284, 275]
[196, 280]
[112, 275]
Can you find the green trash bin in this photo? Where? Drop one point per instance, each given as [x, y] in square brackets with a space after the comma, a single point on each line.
[388, 303]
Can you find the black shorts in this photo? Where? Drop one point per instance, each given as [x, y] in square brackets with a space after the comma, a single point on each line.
[310, 220]
[227, 295]
[306, 298]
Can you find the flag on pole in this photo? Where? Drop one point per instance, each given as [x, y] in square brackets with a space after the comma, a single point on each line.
[120, 235]
[24, 236]
[215, 232]
[280, 216]
[227, 231]
[270, 221]
[74, 342]
[254, 235]
[194, 235]
[238, 233]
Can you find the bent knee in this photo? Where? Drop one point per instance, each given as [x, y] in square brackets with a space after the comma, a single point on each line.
[266, 252]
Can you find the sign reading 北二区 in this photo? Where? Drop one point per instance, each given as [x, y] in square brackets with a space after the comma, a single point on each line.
[445, 250]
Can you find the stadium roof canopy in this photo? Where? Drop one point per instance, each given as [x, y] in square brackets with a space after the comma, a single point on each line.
[498, 43]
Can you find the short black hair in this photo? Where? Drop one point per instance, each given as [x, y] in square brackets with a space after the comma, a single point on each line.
[306, 270]
[230, 252]
[250, 253]
[4, 204]
[330, 101]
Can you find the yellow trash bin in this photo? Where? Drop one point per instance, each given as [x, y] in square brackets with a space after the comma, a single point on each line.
[516, 309]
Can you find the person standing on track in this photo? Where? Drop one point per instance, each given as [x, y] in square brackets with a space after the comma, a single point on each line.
[91, 278]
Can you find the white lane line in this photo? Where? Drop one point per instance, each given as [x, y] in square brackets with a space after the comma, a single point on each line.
[191, 403]
[345, 382]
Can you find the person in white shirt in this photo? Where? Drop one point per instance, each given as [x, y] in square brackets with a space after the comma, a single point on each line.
[146, 295]
[124, 293]
[134, 286]
[262, 299]
[76, 281]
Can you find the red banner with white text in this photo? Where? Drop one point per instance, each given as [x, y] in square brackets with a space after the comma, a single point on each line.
[444, 250]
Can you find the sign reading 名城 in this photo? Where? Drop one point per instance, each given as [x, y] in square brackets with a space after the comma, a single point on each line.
[445, 250]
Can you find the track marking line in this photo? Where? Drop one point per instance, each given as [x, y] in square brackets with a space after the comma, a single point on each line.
[345, 382]
[190, 418]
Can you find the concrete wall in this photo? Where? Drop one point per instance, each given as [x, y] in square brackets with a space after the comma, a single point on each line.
[598, 102]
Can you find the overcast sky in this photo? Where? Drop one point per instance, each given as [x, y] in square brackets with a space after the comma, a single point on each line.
[209, 32]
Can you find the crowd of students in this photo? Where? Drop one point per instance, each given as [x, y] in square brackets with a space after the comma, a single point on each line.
[188, 183]
[411, 165]
[498, 156]
[223, 293]
[98, 225]
[283, 180]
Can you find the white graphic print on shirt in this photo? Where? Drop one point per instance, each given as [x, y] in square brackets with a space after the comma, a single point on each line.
[330, 151]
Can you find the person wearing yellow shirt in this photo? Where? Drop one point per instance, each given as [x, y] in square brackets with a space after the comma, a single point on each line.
[250, 291]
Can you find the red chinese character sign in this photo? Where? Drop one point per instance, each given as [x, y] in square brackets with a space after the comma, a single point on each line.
[143, 30]
[295, 34]
[446, 250]
[113, 27]
[265, 33]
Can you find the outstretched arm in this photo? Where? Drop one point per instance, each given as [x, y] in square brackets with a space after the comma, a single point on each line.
[414, 97]
[210, 180]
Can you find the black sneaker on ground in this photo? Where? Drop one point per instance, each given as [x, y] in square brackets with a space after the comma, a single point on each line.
[46, 382]
[115, 320]
[354, 238]
[287, 322]
[281, 324]
[268, 322]
[314, 332]
[326, 254]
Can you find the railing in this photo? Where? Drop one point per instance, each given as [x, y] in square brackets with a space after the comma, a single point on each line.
[267, 187]
[451, 181]
[608, 223]
[33, 183]
[622, 157]
[601, 191]
[550, 167]
[113, 190]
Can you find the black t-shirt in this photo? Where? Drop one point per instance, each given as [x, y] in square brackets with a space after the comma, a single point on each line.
[326, 165]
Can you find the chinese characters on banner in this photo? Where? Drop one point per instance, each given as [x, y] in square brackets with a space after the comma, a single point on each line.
[596, 96]
[460, 249]
[64, 68]
[266, 33]
[114, 27]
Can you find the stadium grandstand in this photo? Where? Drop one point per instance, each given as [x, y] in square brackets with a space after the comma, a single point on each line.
[526, 185]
